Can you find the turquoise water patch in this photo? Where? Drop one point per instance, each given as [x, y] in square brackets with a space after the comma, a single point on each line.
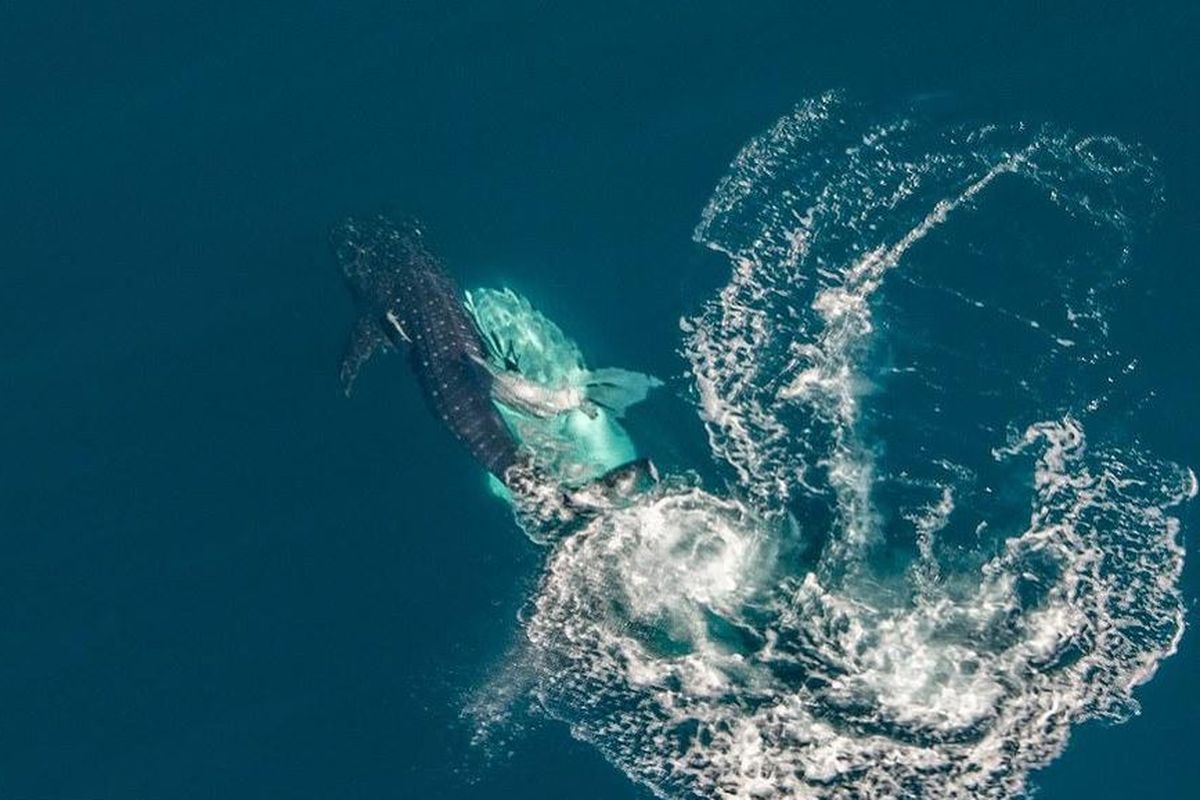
[571, 446]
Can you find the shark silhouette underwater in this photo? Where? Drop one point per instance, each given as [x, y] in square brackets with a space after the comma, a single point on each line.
[407, 300]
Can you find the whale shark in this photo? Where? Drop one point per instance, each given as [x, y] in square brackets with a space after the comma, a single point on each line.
[407, 300]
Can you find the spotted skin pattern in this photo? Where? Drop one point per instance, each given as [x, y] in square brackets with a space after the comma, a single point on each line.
[408, 300]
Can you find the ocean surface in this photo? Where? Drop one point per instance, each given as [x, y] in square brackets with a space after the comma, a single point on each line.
[920, 287]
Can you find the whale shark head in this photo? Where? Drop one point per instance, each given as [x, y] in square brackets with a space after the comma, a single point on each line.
[617, 487]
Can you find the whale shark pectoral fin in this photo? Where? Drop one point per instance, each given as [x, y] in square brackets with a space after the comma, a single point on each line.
[366, 338]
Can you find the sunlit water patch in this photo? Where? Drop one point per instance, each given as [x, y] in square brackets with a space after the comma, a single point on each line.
[574, 446]
[940, 546]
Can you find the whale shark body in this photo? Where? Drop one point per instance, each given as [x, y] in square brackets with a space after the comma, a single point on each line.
[408, 300]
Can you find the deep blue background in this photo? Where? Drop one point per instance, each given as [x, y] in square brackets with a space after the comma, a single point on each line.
[218, 577]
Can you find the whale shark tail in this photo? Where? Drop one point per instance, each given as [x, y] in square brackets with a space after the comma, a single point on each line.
[617, 389]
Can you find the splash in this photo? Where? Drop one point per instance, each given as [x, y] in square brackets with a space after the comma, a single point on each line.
[941, 549]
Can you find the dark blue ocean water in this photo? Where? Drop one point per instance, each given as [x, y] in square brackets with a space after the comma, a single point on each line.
[219, 577]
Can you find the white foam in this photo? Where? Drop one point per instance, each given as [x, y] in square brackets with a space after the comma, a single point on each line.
[841, 696]
[683, 637]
